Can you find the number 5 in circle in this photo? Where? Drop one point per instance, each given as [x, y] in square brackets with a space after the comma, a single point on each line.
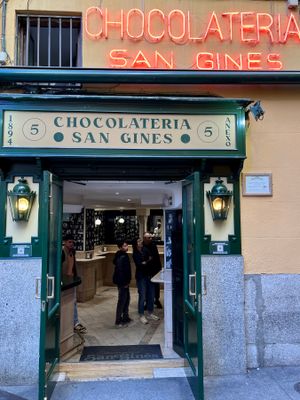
[34, 129]
[208, 131]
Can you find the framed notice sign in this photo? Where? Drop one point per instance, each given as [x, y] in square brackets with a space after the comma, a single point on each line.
[257, 184]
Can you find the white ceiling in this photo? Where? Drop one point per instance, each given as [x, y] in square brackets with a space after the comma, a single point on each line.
[122, 194]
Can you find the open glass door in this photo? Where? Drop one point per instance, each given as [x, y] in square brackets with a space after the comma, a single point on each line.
[51, 223]
[192, 282]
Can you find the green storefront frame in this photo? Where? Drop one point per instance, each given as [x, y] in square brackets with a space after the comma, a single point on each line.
[71, 163]
[229, 162]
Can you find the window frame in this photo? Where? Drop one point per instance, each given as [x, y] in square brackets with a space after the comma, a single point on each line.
[22, 53]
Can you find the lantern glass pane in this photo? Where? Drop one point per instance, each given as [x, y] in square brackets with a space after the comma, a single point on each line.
[22, 204]
[218, 204]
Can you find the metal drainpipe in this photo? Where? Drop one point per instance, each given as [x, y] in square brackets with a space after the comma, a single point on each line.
[3, 38]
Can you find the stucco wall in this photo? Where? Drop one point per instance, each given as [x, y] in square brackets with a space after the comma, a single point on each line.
[270, 228]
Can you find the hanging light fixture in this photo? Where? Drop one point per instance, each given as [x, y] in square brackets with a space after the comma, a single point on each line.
[121, 220]
[98, 221]
[21, 200]
[219, 200]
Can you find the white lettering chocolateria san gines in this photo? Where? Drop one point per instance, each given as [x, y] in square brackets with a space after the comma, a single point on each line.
[122, 123]
[131, 130]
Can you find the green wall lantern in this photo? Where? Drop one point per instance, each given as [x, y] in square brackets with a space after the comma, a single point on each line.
[21, 200]
[219, 200]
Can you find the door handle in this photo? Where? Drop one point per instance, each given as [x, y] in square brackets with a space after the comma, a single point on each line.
[50, 283]
[192, 276]
[204, 286]
[38, 288]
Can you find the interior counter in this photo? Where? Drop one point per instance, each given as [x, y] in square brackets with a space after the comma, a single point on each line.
[91, 273]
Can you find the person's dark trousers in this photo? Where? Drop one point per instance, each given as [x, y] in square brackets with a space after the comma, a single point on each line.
[125, 316]
[123, 304]
[146, 293]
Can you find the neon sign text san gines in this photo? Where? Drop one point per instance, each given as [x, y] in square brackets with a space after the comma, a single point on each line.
[247, 30]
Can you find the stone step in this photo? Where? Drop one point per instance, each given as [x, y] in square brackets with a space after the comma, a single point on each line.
[121, 369]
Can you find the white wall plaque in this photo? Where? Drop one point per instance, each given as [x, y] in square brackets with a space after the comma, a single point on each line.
[257, 184]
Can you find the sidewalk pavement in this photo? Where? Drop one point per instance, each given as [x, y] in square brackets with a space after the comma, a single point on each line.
[277, 383]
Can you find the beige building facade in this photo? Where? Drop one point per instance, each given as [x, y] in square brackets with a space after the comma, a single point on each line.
[270, 143]
[240, 50]
[217, 29]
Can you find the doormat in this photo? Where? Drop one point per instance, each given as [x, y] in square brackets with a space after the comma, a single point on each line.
[113, 353]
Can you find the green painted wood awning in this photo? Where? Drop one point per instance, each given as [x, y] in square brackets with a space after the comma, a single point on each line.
[9, 75]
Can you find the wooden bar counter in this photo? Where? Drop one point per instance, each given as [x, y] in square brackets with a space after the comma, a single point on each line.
[90, 271]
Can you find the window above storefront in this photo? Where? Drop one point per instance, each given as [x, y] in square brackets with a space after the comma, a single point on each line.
[48, 41]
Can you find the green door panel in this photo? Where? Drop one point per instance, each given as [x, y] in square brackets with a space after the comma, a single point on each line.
[51, 236]
[192, 282]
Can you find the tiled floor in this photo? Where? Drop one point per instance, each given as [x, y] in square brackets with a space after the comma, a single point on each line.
[98, 315]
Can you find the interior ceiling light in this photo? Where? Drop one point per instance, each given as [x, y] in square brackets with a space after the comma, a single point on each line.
[98, 222]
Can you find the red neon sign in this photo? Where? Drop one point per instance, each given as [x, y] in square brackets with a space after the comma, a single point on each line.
[132, 15]
[182, 28]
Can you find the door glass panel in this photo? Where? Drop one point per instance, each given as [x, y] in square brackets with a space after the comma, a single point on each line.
[191, 320]
[54, 245]
[190, 242]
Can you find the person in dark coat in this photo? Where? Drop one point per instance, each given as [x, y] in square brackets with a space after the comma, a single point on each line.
[122, 278]
[155, 264]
